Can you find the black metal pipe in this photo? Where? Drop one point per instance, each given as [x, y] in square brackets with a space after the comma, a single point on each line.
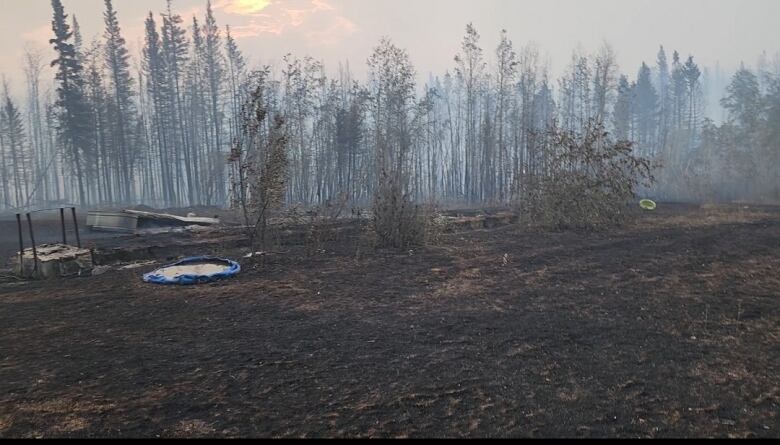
[62, 223]
[76, 225]
[32, 238]
[21, 243]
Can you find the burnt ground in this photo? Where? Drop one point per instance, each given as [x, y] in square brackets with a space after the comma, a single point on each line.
[666, 327]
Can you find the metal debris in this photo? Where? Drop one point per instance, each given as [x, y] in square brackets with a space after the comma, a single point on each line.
[131, 221]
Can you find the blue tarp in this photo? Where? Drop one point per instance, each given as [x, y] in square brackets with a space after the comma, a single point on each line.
[232, 270]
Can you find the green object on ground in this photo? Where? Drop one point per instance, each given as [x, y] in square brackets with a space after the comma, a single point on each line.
[647, 204]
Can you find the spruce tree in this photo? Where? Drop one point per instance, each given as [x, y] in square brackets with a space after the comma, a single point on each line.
[12, 127]
[621, 116]
[743, 100]
[646, 110]
[678, 91]
[118, 63]
[73, 115]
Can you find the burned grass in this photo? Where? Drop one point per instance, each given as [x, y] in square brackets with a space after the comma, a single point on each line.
[668, 327]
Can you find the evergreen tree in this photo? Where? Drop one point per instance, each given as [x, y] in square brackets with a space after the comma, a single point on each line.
[743, 99]
[78, 40]
[15, 137]
[692, 75]
[123, 115]
[73, 115]
[621, 116]
[679, 89]
[646, 109]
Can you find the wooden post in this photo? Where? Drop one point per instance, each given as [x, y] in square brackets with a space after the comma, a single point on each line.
[62, 223]
[32, 238]
[21, 243]
[76, 225]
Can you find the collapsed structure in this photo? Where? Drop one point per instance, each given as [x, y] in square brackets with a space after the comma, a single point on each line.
[64, 259]
[131, 221]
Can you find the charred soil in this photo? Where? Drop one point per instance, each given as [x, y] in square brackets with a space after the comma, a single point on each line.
[669, 326]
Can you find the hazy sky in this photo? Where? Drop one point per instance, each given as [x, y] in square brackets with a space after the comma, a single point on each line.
[728, 31]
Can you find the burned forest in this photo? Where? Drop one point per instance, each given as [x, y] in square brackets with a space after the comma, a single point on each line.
[316, 219]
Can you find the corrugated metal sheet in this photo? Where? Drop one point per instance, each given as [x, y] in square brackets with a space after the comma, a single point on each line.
[173, 220]
[112, 221]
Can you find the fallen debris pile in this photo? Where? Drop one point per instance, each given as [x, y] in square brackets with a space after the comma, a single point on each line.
[131, 221]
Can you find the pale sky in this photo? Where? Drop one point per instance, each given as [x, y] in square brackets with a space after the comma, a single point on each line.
[728, 31]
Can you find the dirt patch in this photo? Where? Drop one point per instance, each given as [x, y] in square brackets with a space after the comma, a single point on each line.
[666, 328]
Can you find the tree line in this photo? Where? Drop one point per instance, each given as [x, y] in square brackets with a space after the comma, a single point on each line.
[160, 131]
